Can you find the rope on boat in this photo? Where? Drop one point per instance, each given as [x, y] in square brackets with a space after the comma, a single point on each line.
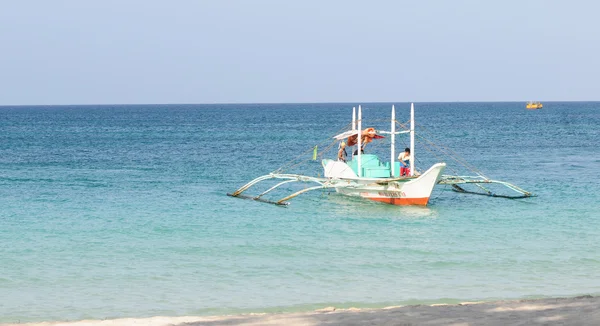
[477, 181]
[452, 154]
[300, 159]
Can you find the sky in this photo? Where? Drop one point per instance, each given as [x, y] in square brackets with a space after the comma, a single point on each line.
[306, 51]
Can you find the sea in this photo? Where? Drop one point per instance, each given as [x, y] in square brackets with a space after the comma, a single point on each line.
[110, 211]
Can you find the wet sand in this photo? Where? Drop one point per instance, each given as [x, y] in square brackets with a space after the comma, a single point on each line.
[583, 310]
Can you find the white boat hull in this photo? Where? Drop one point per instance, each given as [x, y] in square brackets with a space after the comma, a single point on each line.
[395, 191]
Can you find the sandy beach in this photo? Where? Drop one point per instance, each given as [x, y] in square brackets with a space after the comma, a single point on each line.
[583, 310]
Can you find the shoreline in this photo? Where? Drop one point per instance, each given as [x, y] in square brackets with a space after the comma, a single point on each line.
[580, 310]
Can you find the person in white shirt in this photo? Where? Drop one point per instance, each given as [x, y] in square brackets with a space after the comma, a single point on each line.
[404, 159]
[342, 155]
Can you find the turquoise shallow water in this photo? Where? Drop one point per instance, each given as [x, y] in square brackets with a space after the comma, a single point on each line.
[120, 211]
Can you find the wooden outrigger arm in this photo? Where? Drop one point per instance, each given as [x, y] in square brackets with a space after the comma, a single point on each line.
[323, 184]
[283, 200]
[478, 181]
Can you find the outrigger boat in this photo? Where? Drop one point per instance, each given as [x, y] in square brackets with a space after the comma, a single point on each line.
[368, 177]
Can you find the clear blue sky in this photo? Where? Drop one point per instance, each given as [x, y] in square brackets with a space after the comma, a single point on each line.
[219, 51]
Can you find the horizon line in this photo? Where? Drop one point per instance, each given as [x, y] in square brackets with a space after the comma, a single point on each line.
[272, 103]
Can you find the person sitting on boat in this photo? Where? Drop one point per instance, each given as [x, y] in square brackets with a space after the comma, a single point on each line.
[404, 159]
[342, 155]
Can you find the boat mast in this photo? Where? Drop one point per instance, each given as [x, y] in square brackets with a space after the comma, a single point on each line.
[359, 141]
[354, 118]
[412, 139]
[393, 146]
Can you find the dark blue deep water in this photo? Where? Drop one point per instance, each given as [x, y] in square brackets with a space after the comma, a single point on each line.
[121, 211]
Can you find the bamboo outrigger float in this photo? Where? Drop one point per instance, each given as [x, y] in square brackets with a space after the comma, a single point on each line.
[367, 177]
